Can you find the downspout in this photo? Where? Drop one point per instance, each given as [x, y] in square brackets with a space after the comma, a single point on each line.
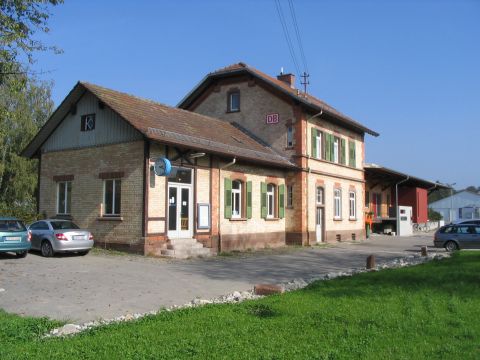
[397, 206]
[220, 168]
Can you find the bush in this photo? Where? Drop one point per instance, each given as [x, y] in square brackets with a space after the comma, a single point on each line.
[434, 215]
[27, 212]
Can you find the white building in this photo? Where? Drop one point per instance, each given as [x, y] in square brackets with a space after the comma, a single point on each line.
[462, 205]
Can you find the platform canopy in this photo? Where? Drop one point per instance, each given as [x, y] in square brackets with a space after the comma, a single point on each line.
[380, 175]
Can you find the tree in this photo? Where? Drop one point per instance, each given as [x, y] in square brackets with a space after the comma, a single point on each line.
[434, 215]
[25, 105]
[20, 20]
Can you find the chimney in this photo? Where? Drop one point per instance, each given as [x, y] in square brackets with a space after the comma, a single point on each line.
[288, 79]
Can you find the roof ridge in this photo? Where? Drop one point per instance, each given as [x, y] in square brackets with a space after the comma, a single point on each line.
[156, 102]
[267, 149]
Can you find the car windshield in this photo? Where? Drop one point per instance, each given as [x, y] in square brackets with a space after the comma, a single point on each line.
[11, 226]
[63, 225]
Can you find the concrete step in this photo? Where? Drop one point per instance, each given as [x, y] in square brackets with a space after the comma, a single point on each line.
[182, 241]
[184, 246]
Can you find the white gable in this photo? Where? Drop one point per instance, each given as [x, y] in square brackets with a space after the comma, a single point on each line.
[110, 128]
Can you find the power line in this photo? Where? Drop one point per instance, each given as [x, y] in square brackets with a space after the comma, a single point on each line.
[297, 32]
[287, 35]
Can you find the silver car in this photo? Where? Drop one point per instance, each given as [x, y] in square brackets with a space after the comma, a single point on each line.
[53, 235]
[454, 237]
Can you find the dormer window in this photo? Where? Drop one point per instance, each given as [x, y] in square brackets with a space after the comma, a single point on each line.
[87, 122]
[233, 101]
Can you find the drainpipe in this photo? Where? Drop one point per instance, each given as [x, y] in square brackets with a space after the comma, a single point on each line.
[396, 200]
[220, 168]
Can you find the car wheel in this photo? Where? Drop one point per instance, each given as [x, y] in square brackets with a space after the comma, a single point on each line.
[22, 254]
[451, 246]
[47, 249]
[83, 253]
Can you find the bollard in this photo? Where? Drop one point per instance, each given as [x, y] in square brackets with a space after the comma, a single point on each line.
[371, 262]
[424, 250]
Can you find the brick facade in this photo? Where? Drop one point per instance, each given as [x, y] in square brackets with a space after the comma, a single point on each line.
[86, 165]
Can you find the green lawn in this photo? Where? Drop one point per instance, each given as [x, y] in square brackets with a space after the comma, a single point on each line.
[431, 311]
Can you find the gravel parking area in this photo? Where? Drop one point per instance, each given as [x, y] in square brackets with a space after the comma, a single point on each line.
[85, 288]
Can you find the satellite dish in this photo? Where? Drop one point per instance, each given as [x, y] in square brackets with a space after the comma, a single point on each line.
[162, 167]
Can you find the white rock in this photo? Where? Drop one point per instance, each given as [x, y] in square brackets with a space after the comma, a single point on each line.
[68, 329]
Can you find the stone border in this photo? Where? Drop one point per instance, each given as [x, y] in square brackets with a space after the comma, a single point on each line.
[237, 297]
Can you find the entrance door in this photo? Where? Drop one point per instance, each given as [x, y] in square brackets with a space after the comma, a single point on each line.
[319, 224]
[179, 211]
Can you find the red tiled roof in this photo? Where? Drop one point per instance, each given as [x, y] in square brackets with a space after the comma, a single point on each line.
[295, 93]
[172, 126]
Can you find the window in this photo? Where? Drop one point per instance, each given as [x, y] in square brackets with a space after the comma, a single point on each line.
[377, 205]
[290, 196]
[290, 136]
[63, 225]
[335, 149]
[112, 197]
[317, 144]
[353, 205]
[319, 195]
[87, 122]
[64, 197]
[233, 101]
[270, 201]
[236, 199]
[337, 204]
[367, 199]
[318, 140]
[40, 225]
[12, 226]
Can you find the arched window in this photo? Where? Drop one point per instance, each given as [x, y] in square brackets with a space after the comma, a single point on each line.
[271, 200]
[237, 199]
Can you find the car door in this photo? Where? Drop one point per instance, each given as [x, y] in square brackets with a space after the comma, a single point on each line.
[466, 236]
[33, 230]
[40, 231]
[475, 244]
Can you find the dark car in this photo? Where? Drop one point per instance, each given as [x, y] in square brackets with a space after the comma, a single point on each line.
[469, 221]
[14, 236]
[458, 236]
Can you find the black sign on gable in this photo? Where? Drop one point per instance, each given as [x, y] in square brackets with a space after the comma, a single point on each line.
[87, 122]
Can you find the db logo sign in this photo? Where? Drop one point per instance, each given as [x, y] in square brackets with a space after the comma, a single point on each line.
[272, 118]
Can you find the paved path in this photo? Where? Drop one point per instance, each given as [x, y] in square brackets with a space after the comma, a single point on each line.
[80, 289]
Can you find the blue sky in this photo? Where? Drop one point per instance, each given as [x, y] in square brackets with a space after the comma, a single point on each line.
[409, 69]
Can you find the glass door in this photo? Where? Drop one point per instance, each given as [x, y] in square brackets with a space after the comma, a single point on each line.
[180, 203]
[179, 211]
[319, 224]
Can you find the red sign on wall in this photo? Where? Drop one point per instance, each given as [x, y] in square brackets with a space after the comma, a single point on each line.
[273, 118]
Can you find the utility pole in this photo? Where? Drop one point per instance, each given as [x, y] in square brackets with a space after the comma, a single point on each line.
[305, 81]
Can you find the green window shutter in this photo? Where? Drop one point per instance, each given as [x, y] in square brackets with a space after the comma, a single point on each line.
[263, 200]
[228, 199]
[281, 201]
[249, 199]
[343, 155]
[353, 156]
[327, 147]
[314, 143]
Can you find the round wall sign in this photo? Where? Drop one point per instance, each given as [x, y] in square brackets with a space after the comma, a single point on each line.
[162, 167]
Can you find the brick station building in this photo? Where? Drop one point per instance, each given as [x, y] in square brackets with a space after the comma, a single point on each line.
[256, 163]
